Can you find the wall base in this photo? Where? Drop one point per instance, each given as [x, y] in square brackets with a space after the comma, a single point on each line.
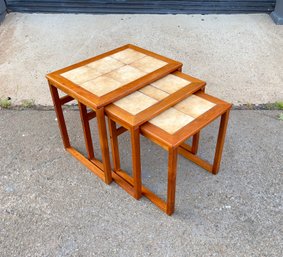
[276, 18]
[2, 10]
[277, 14]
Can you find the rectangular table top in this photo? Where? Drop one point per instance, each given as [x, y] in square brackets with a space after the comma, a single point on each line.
[175, 125]
[144, 104]
[108, 77]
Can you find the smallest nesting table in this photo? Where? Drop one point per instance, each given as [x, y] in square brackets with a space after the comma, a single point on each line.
[170, 130]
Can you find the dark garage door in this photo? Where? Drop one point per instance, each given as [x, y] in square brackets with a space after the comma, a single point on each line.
[139, 6]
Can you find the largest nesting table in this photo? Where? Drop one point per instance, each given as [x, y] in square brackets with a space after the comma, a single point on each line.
[101, 80]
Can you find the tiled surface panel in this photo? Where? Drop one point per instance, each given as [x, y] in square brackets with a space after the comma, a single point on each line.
[194, 106]
[109, 73]
[81, 74]
[126, 74]
[170, 83]
[148, 64]
[105, 65]
[128, 56]
[182, 114]
[153, 92]
[135, 102]
[101, 85]
[171, 120]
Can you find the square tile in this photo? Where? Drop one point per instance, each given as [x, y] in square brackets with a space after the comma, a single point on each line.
[105, 65]
[194, 106]
[125, 74]
[135, 102]
[170, 83]
[148, 64]
[154, 92]
[171, 120]
[101, 85]
[128, 56]
[81, 74]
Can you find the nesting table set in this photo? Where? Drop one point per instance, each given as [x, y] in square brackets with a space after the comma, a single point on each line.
[146, 94]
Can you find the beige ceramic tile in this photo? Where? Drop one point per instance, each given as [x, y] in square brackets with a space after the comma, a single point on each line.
[170, 83]
[125, 74]
[194, 106]
[101, 85]
[135, 102]
[105, 65]
[171, 120]
[148, 64]
[154, 92]
[128, 56]
[81, 74]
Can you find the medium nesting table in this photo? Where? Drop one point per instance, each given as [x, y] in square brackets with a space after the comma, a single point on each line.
[139, 107]
[97, 82]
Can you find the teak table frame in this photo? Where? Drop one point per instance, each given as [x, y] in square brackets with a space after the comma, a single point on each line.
[96, 104]
[132, 123]
[174, 144]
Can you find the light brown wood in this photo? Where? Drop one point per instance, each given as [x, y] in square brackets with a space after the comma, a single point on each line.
[126, 182]
[121, 130]
[91, 115]
[60, 116]
[220, 142]
[86, 130]
[195, 143]
[65, 99]
[104, 145]
[114, 144]
[89, 164]
[171, 186]
[135, 142]
[195, 159]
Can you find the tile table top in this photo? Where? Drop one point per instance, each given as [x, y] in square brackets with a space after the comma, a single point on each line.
[112, 75]
[182, 114]
[147, 102]
[184, 119]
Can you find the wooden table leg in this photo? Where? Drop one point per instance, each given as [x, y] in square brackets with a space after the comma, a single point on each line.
[60, 116]
[171, 186]
[220, 142]
[195, 143]
[136, 161]
[114, 144]
[104, 145]
[86, 130]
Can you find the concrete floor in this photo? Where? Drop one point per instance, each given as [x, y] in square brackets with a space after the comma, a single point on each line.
[51, 205]
[240, 56]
